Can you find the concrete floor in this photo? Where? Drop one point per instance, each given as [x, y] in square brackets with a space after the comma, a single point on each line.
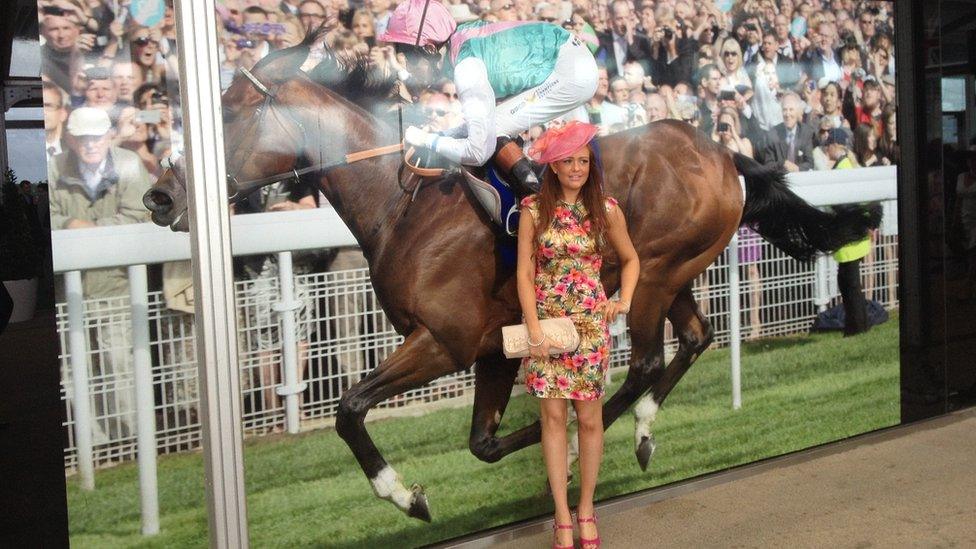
[910, 486]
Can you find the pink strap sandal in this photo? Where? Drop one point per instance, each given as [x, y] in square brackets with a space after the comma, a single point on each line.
[555, 530]
[588, 543]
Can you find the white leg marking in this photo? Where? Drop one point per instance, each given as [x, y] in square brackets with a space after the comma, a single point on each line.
[387, 485]
[645, 412]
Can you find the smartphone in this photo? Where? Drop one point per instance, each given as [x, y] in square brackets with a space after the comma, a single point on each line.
[148, 117]
[53, 10]
[101, 40]
[742, 89]
[595, 118]
[723, 127]
[726, 95]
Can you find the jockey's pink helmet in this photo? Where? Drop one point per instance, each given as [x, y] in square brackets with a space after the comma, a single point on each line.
[405, 22]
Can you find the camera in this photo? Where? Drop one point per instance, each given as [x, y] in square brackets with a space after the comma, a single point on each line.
[148, 117]
[245, 43]
[668, 33]
[595, 118]
[723, 127]
[53, 10]
[726, 95]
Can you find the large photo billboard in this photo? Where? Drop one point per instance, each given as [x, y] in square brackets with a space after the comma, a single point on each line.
[378, 407]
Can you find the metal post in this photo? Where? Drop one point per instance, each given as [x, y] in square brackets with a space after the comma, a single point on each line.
[213, 278]
[145, 403]
[79, 379]
[821, 282]
[291, 387]
[735, 328]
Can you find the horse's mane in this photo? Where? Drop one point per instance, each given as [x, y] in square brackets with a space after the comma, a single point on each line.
[351, 80]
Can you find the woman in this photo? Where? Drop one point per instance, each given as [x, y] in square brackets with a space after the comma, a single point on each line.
[728, 131]
[563, 232]
[363, 27]
[734, 74]
[889, 139]
[866, 147]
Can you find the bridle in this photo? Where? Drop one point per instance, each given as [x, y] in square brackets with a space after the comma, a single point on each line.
[239, 187]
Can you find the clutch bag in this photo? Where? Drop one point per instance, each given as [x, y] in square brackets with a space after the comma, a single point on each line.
[560, 332]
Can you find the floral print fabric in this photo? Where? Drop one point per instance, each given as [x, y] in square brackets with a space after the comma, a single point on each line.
[567, 283]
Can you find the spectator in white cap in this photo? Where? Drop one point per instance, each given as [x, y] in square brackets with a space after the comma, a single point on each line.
[94, 184]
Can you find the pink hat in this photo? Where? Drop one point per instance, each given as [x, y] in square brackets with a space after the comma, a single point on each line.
[405, 23]
[559, 143]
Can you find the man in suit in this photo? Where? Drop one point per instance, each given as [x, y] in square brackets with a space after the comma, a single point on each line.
[790, 143]
[623, 43]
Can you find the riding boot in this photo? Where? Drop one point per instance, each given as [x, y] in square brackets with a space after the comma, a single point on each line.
[509, 158]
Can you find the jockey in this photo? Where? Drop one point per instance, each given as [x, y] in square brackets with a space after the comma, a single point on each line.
[509, 75]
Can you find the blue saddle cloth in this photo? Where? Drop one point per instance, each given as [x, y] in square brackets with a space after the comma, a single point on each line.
[498, 201]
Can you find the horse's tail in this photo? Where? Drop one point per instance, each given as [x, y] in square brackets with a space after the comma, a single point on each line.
[789, 223]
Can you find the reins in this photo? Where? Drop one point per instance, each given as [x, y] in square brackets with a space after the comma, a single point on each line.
[243, 188]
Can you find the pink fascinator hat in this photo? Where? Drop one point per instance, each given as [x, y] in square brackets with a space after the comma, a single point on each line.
[559, 143]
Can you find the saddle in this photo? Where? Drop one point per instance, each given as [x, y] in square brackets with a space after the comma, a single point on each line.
[488, 184]
[491, 190]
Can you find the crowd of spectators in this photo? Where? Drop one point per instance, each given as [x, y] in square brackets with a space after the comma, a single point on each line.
[748, 72]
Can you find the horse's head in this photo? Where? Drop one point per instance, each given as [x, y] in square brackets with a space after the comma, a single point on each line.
[262, 135]
[166, 199]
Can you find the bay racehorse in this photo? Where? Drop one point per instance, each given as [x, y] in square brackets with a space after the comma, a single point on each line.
[434, 261]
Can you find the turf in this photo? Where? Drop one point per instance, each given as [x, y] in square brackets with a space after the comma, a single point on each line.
[308, 491]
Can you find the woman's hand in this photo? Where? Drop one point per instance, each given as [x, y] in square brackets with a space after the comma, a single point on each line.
[611, 308]
[541, 351]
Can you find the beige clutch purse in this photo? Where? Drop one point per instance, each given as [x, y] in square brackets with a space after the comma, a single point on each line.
[561, 333]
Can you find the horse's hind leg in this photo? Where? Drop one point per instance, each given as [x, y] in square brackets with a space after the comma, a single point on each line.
[494, 377]
[419, 360]
[695, 334]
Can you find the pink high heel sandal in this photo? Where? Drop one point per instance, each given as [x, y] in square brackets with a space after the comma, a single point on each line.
[588, 543]
[556, 527]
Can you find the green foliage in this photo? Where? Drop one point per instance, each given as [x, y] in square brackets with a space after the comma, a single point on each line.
[308, 491]
[19, 258]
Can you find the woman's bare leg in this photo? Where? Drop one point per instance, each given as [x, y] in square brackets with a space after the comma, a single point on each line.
[589, 418]
[554, 416]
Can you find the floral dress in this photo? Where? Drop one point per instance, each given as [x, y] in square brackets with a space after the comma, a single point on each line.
[567, 283]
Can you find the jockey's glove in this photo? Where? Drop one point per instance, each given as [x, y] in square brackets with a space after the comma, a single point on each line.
[419, 138]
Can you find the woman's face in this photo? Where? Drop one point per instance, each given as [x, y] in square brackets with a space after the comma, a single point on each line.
[731, 58]
[362, 27]
[572, 172]
[829, 99]
[872, 141]
[893, 127]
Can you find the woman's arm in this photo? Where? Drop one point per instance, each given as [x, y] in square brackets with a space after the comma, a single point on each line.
[525, 282]
[629, 264]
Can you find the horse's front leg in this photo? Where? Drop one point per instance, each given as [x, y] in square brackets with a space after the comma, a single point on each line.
[419, 360]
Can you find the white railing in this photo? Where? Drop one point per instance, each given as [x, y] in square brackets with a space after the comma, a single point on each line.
[348, 333]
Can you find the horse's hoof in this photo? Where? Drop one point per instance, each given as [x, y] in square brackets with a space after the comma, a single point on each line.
[418, 504]
[645, 451]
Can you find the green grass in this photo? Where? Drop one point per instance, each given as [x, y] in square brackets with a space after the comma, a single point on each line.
[308, 491]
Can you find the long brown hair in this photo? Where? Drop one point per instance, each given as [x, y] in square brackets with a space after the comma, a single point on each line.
[593, 200]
